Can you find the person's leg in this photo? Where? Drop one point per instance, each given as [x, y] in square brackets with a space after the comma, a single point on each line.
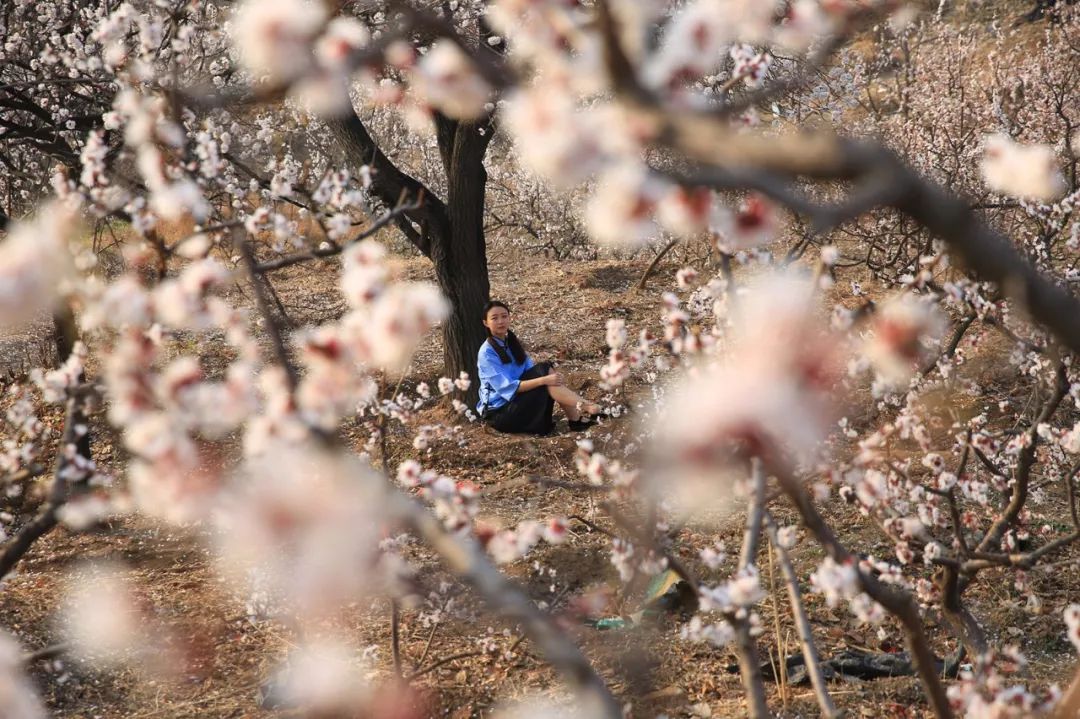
[571, 402]
[528, 413]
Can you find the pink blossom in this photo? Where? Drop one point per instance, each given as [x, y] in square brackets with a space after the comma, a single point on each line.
[805, 23]
[333, 386]
[719, 634]
[753, 224]
[686, 277]
[775, 391]
[179, 199]
[621, 209]
[871, 488]
[408, 473]
[561, 142]
[306, 522]
[84, 512]
[714, 556]
[617, 369]
[744, 589]
[685, 211]
[556, 531]
[343, 37]
[324, 677]
[835, 581]
[101, 617]
[934, 462]
[616, 333]
[866, 609]
[462, 382]
[749, 65]
[1072, 621]
[787, 537]
[180, 490]
[622, 554]
[385, 333]
[54, 384]
[692, 45]
[901, 328]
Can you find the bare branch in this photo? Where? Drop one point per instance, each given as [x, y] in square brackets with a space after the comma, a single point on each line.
[47, 518]
[466, 559]
[896, 601]
[745, 645]
[273, 327]
[334, 249]
[802, 623]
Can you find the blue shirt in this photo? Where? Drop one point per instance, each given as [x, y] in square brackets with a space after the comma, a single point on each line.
[498, 381]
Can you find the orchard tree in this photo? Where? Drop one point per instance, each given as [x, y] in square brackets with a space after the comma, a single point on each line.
[47, 114]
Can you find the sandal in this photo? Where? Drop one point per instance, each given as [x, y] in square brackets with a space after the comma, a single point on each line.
[578, 425]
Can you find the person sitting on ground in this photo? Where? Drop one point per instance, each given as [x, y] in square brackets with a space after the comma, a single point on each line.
[518, 395]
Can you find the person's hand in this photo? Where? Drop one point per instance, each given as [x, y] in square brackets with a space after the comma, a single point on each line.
[554, 379]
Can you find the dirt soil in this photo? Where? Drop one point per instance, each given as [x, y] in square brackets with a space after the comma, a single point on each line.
[467, 661]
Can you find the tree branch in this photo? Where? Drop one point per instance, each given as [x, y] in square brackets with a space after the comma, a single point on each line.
[897, 602]
[802, 623]
[745, 645]
[388, 182]
[465, 558]
[47, 518]
[335, 249]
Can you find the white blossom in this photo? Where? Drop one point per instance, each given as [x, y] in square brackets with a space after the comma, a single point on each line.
[448, 81]
[35, 264]
[274, 37]
[1026, 171]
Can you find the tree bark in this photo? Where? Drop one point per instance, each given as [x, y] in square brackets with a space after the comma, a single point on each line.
[65, 335]
[461, 259]
[451, 232]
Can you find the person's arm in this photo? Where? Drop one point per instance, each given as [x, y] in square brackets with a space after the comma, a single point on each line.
[495, 378]
[527, 384]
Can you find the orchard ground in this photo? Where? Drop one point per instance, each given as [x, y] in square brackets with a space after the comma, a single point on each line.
[466, 663]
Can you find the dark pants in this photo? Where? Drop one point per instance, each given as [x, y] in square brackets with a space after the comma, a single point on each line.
[526, 412]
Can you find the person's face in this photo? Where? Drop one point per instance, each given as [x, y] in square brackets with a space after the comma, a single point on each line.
[498, 321]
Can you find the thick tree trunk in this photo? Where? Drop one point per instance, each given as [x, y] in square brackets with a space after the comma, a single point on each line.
[959, 620]
[65, 335]
[450, 233]
[461, 260]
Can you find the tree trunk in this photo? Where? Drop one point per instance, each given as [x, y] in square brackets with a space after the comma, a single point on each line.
[65, 335]
[461, 258]
[450, 233]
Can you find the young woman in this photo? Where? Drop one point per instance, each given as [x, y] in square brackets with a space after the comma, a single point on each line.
[516, 394]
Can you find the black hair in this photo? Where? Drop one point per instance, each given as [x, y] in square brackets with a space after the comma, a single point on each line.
[512, 342]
